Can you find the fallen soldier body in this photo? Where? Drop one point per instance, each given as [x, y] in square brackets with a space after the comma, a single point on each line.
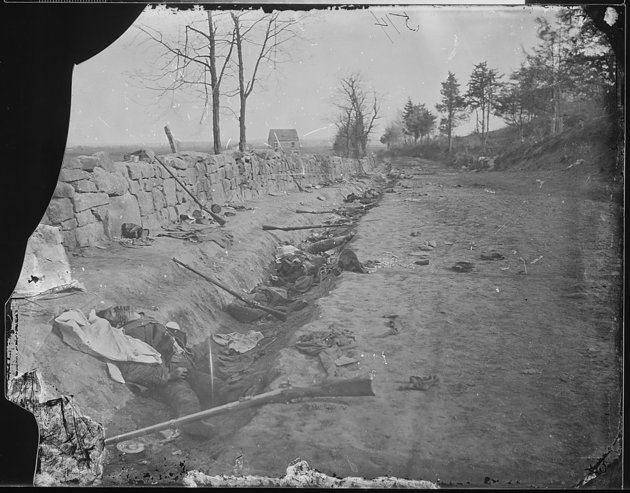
[180, 380]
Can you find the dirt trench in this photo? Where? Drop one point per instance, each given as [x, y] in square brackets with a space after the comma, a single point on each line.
[146, 278]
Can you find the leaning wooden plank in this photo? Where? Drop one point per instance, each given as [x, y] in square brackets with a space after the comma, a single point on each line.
[276, 313]
[267, 227]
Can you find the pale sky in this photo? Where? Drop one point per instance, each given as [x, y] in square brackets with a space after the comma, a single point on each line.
[110, 106]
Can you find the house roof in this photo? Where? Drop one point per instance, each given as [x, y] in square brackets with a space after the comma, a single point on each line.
[283, 134]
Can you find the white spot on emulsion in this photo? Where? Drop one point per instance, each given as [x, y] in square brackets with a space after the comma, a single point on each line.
[611, 16]
[454, 50]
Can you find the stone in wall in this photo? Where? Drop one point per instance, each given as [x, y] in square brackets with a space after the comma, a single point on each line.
[159, 202]
[83, 201]
[147, 170]
[90, 234]
[134, 186]
[118, 168]
[85, 217]
[69, 239]
[122, 209]
[160, 172]
[148, 184]
[172, 214]
[182, 209]
[218, 195]
[63, 190]
[68, 224]
[163, 216]
[191, 176]
[88, 163]
[59, 210]
[109, 183]
[182, 197]
[71, 175]
[71, 163]
[170, 193]
[134, 170]
[145, 202]
[200, 166]
[151, 221]
[83, 186]
[174, 161]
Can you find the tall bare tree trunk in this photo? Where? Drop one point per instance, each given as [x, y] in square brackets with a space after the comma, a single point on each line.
[216, 129]
[242, 142]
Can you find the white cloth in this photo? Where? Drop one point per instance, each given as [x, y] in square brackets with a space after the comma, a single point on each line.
[97, 337]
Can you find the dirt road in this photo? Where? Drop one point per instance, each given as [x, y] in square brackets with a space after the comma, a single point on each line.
[522, 348]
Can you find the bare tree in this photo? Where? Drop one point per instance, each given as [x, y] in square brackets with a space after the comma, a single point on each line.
[358, 112]
[193, 62]
[267, 34]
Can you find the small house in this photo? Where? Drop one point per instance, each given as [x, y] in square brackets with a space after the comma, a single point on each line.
[284, 140]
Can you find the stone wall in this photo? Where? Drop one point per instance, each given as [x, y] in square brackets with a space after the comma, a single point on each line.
[95, 195]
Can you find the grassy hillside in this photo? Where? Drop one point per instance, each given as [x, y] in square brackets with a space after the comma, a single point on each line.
[592, 146]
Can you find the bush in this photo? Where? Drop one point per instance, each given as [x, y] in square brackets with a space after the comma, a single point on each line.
[430, 149]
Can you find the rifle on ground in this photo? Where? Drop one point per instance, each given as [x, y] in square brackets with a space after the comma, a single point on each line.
[357, 387]
[253, 304]
[266, 227]
[214, 216]
[300, 211]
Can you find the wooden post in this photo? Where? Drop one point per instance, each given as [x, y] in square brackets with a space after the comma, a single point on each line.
[171, 140]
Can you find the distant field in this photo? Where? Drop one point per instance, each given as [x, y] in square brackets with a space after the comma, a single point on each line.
[117, 152]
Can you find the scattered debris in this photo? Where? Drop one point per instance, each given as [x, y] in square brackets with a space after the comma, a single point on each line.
[422, 262]
[345, 361]
[420, 382]
[531, 371]
[491, 256]
[392, 323]
[536, 260]
[133, 231]
[328, 244]
[462, 267]
[131, 450]
[367, 197]
[196, 234]
[348, 261]
[244, 313]
[240, 343]
[314, 342]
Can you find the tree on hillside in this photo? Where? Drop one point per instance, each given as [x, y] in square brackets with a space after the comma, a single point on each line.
[418, 120]
[393, 134]
[196, 61]
[266, 34]
[481, 95]
[451, 107]
[588, 57]
[358, 111]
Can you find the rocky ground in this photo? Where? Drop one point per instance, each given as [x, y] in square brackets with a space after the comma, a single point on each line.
[514, 353]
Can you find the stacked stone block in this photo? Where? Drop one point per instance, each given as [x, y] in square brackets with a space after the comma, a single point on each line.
[95, 195]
